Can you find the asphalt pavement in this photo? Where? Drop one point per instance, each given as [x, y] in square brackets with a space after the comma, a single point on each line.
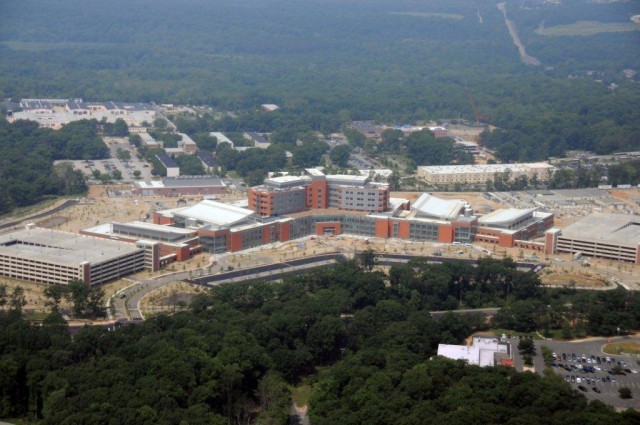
[593, 347]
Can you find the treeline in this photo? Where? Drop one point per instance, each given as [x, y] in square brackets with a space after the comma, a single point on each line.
[26, 160]
[585, 313]
[233, 355]
[328, 64]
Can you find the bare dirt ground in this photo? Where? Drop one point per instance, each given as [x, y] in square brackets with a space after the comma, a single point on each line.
[466, 132]
[170, 298]
[36, 300]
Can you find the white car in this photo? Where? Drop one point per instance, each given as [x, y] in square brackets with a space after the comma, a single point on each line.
[578, 380]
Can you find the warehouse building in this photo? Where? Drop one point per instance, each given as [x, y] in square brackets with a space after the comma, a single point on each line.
[483, 173]
[48, 256]
[603, 235]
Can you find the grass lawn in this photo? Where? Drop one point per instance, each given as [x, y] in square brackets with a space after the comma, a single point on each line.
[301, 394]
[430, 15]
[622, 348]
[586, 28]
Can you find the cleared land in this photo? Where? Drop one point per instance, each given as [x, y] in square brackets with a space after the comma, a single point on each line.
[586, 28]
[430, 15]
[622, 348]
[34, 293]
[558, 276]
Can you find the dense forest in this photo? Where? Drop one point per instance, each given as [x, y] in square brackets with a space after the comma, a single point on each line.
[26, 160]
[329, 62]
[364, 339]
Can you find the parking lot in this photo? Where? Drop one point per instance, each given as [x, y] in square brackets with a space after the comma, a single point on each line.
[589, 370]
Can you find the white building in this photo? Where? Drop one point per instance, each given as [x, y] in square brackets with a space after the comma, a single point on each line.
[484, 351]
[481, 173]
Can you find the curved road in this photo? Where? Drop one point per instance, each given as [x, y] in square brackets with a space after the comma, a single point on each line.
[126, 302]
[66, 204]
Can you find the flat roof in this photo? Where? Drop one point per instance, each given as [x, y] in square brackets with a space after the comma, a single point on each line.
[207, 159]
[288, 179]
[483, 168]
[460, 352]
[166, 160]
[192, 181]
[432, 206]
[256, 137]
[221, 137]
[214, 212]
[507, 215]
[53, 246]
[616, 229]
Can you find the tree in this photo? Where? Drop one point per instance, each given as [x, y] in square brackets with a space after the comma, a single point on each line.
[120, 128]
[116, 174]
[394, 180]
[137, 174]
[3, 296]
[135, 140]
[527, 347]
[160, 123]
[123, 155]
[625, 392]
[340, 155]
[54, 292]
[78, 294]
[18, 299]
[366, 259]
[355, 138]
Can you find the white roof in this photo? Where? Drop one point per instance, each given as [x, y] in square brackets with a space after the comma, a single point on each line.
[107, 228]
[314, 172]
[504, 216]
[54, 246]
[616, 229]
[215, 213]
[186, 139]
[289, 179]
[460, 352]
[429, 205]
[485, 168]
[152, 184]
[221, 137]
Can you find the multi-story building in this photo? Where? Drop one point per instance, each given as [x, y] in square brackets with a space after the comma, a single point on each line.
[483, 173]
[223, 227]
[315, 190]
[602, 235]
[48, 256]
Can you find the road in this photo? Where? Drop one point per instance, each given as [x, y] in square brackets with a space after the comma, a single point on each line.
[513, 32]
[64, 205]
[126, 302]
[593, 347]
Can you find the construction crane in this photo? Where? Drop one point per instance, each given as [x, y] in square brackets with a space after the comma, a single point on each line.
[479, 117]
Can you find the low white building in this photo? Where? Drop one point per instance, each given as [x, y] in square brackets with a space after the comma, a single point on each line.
[484, 351]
